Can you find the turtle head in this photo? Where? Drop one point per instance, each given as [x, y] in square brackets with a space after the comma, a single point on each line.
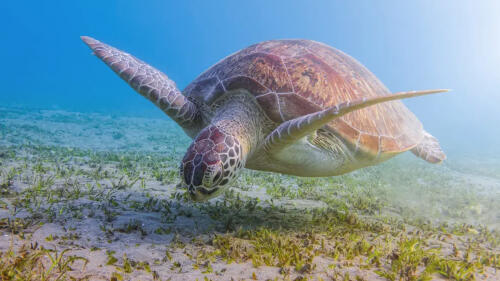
[211, 163]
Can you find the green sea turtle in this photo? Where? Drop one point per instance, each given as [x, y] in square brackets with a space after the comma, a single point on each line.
[295, 107]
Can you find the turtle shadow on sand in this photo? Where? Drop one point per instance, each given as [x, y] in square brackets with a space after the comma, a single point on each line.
[162, 218]
[93, 205]
[175, 214]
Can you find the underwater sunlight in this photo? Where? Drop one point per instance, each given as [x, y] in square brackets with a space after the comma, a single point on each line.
[256, 140]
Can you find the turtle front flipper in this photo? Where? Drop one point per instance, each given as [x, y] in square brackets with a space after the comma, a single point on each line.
[149, 82]
[429, 149]
[293, 130]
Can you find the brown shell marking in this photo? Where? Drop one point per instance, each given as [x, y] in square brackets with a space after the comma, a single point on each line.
[291, 78]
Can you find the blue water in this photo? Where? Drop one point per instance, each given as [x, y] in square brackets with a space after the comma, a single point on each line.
[409, 46]
[90, 166]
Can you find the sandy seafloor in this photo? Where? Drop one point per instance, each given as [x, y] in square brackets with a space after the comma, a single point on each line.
[104, 188]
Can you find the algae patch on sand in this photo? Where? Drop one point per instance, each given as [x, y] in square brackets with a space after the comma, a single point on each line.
[90, 197]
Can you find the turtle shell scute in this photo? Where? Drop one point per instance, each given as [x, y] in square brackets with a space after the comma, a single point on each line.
[292, 78]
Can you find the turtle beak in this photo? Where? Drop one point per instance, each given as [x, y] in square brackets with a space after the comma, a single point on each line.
[200, 196]
[197, 196]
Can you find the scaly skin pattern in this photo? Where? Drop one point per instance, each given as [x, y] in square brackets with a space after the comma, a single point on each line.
[292, 130]
[211, 162]
[149, 82]
[262, 108]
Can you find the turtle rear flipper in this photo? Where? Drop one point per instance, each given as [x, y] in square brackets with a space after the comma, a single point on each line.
[429, 149]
